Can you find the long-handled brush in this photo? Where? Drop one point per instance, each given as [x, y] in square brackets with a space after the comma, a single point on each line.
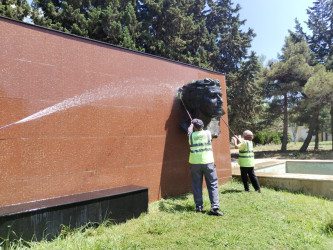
[180, 93]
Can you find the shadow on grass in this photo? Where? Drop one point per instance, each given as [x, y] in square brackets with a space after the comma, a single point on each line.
[171, 206]
[174, 204]
[328, 228]
[231, 191]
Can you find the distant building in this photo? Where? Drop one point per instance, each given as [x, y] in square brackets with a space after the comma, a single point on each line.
[299, 133]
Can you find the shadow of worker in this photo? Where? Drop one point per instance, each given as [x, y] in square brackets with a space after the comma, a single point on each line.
[175, 174]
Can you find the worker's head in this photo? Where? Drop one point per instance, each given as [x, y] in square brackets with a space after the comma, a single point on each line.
[248, 135]
[198, 124]
[203, 97]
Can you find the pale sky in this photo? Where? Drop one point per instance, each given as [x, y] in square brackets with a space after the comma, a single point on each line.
[271, 20]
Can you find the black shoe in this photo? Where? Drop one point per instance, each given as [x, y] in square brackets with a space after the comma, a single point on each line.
[199, 210]
[216, 212]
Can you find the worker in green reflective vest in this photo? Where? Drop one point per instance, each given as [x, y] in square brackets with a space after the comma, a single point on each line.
[246, 160]
[202, 164]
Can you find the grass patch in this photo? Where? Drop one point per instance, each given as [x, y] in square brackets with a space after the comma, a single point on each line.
[274, 151]
[271, 220]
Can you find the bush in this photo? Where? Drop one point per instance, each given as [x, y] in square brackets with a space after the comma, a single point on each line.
[289, 139]
[273, 137]
[266, 137]
[259, 138]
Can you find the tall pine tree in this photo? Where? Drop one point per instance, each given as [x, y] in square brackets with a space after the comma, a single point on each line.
[110, 21]
[286, 77]
[245, 95]
[232, 43]
[16, 9]
[320, 22]
[319, 92]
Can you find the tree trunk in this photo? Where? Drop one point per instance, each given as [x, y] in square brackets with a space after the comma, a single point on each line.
[316, 147]
[312, 128]
[285, 124]
[332, 124]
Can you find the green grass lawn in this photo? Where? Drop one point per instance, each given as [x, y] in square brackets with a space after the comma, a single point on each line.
[274, 219]
[273, 151]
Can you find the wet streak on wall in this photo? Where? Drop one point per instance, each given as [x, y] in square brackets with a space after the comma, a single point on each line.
[89, 116]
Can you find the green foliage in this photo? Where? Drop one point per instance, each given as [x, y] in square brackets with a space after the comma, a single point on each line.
[284, 79]
[320, 86]
[259, 138]
[289, 137]
[108, 21]
[245, 95]
[270, 137]
[267, 137]
[16, 9]
[320, 23]
[296, 154]
[319, 94]
[320, 41]
[186, 31]
[231, 42]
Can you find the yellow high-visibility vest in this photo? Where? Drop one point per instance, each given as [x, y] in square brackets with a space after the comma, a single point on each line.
[201, 147]
[246, 156]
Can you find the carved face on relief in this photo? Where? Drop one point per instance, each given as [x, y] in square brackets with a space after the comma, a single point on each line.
[203, 99]
[211, 102]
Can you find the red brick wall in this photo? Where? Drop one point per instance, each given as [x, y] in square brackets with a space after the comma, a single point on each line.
[103, 117]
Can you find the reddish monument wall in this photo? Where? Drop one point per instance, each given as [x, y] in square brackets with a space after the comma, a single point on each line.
[89, 116]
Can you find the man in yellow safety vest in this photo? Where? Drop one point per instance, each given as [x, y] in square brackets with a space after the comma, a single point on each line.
[202, 164]
[246, 160]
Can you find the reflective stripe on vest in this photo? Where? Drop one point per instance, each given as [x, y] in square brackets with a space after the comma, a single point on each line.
[201, 151]
[246, 157]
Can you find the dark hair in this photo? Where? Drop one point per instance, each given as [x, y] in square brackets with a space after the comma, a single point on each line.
[197, 123]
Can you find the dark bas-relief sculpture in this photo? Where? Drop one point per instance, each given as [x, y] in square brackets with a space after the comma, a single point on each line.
[203, 100]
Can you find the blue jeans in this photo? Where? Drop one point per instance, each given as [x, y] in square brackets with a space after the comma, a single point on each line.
[197, 173]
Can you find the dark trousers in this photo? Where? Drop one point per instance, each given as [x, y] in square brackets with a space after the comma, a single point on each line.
[197, 173]
[249, 171]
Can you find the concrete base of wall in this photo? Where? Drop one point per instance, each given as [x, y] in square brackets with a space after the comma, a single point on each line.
[44, 219]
